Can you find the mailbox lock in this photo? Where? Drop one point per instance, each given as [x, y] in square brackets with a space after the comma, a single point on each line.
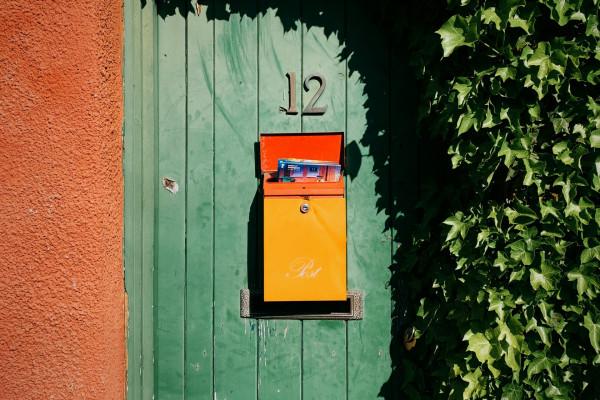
[304, 208]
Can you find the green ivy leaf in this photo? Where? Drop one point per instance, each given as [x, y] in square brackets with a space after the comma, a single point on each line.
[550, 208]
[594, 331]
[512, 330]
[512, 391]
[534, 112]
[557, 321]
[513, 359]
[547, 278]
[497, 305]
[517, 274]
[569, 185]
[593, 106]
[466, 122]
[489, 15]
[560, 392]
[541, 362]
[481, 346]
[560, 10]
[539, 85]
[545, 309]
[505, 73]
[572, 210]
[533, 172]
[517, 16]
[545, 334]
[521, 214]
[519, 252]
[592, 26]
[457, 226]
[560, 124]
[475, 384]
[585, 281]
[530, 236]
[453, 34]
[490, 120]
[463, 87]
[562, 150]
[503, 263]
[512, 150]
[588, 255]
[595, 138]
[546, 60]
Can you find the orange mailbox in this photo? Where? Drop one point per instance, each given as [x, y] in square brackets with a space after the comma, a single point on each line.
[304, 222]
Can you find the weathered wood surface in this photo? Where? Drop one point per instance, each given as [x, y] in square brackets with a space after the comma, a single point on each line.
[199, 90]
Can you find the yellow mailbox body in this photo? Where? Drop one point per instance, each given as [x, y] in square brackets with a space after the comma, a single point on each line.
[304, 223]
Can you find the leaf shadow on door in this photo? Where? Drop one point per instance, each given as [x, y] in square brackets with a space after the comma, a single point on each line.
[401, 161]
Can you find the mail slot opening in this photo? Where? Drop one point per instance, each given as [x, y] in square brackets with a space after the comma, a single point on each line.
[252, 305]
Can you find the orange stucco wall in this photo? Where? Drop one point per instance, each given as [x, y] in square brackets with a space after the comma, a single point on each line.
[61, 200]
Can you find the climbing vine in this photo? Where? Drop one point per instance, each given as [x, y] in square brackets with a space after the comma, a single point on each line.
[503, 268]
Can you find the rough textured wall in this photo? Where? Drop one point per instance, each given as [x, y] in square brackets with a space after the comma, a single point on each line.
[61, 280]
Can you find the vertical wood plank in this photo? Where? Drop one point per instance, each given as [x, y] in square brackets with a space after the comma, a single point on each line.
[199, 209]
[235, 183]
[369, 219]
[132, 193]
[149, 186]
[279, 365]
[170, 258]
[279, 341]
[279, 52]
[324, 360]
[324, 342]
[323, 47]
[140, 171]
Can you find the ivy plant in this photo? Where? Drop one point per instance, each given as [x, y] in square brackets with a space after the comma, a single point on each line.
[504, 263]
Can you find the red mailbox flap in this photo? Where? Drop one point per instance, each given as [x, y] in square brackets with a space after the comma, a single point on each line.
[326, 146]
[323, 146]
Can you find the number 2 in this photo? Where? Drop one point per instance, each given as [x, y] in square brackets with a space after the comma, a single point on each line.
[310, 109]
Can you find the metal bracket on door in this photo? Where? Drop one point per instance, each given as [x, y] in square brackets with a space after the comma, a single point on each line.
[252, 305]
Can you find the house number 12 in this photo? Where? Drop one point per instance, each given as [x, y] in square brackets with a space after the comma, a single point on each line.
[310, 108]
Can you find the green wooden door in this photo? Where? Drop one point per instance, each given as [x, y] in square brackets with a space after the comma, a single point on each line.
[202, 81]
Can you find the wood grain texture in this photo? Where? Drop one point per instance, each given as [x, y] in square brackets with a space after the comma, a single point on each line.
[279, 364]
[407, 168]
[140, 173]
[199, 209]
[170, 233]
[132, 167]
[369, 237]
[279, 52]
[324, 360]
[322, 53]
[220, 81]
[149, 187]
[236, 131]
[324, 342]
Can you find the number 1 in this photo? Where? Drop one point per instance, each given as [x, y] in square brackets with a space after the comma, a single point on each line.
[292, 82]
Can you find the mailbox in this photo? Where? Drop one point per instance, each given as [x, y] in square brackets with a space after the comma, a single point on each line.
[304, 226]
